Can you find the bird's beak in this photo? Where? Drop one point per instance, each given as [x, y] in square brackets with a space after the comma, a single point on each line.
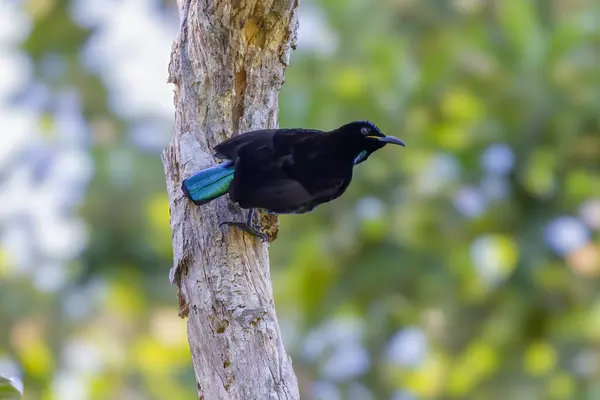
[389, 139]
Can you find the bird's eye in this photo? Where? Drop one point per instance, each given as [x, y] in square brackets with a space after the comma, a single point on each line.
[364, 130]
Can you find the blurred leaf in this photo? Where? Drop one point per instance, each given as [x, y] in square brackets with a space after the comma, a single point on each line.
[478, 362]
[520, 21]
[539, 177]
[32, 347]
[54, 30]
[562, 386]
[427, 380]
[158, 218]
[540, 358]
[461, 106]
[349, 83]
[8, 389]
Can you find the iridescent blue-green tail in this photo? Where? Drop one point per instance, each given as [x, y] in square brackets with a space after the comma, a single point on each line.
[209, 183]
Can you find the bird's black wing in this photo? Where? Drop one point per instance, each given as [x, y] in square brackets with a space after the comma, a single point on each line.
[284, 177]
[260, 139]
[229, 148]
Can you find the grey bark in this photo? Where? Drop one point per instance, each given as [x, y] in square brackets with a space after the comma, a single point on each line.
[227, 66]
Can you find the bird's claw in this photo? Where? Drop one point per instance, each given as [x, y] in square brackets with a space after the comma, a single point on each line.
[251, 229]
[248, 226]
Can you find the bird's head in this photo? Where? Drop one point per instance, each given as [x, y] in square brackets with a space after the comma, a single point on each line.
[369, 137]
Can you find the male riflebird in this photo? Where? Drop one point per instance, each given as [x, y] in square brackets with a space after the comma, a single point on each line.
[286, 171]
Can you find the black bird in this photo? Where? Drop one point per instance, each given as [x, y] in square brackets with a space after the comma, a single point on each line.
[286, 171]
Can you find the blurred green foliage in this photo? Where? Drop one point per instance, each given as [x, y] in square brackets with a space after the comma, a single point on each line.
[8, 391]
[446, 244]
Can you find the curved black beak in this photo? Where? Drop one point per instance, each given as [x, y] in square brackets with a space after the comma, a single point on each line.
[392, 140]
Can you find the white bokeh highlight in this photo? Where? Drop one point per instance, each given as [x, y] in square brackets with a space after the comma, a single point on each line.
[408, 347]
[566, 234]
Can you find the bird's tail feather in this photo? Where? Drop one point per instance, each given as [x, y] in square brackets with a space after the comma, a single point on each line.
[209, 183]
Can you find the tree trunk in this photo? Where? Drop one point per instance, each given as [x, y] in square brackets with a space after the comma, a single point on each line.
[227, 66]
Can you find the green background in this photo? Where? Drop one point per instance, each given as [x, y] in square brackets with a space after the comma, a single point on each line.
[462, 266]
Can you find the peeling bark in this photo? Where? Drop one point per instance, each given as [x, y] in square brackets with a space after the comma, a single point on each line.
[227, 66]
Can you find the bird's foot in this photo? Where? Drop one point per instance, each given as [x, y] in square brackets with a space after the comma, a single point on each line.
[248, 227]
[251, 229]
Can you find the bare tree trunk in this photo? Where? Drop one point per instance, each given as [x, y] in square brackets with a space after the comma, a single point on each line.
[227, 67]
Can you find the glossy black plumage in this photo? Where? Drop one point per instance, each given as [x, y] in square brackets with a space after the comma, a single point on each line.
[294, 170]
[285, 171]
